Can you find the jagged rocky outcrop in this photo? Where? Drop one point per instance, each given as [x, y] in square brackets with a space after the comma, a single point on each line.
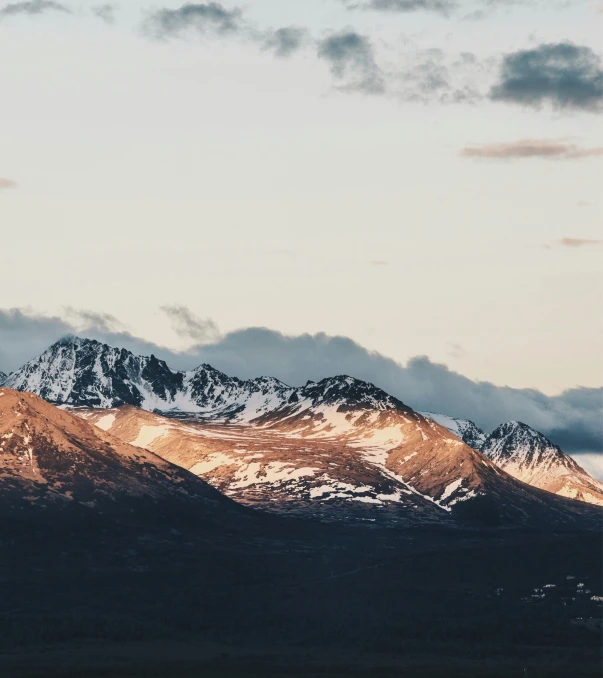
[464, 429]
[84, 372]
[3, 378]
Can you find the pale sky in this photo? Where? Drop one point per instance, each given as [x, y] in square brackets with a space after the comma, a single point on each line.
[149, 164]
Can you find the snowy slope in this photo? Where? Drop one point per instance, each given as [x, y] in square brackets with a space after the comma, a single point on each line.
[464, 429]
[529, 456]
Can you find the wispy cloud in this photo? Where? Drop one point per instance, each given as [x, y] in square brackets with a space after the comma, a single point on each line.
[564, 75]
[531, 148]
[579, 242]
[32, 7]
[7, 184]
[404, 6]
[105, 12]
[189, 326]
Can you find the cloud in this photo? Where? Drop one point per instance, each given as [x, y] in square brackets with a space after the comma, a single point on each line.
[187, 325]
[404, 6]
[571, 419]
[432, 76]
[104, 322]
[379, 262]
[7, 184]
[204, 18]
[531, 148]
[351, 59]
[105, 12]
[565, 75]
[32, 7]
[283, 42]
[578, 242]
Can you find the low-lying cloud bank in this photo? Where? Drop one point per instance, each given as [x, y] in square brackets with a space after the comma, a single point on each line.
[571, 419]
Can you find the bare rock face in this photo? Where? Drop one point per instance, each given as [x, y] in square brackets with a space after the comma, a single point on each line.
[3, 378]
[464, 429]
[50, 458]
[529, 456]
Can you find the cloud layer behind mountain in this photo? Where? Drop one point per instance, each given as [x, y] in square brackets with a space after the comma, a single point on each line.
[571, 419]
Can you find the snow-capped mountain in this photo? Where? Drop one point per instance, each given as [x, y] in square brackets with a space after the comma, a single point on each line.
[264, 442]
[392, 466]
[84, 372]
[464, 429]
[529, 456]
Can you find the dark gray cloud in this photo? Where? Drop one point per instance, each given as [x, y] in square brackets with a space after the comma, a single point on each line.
[284, 42]
[531, 148]
[105, 12]
[571, 419]
[351, 59]
[31, 7]
[7, 184]
[564, 75]
[204, 18]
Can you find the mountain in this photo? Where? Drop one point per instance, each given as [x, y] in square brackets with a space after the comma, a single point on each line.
[527, 455]
[464, 429]
[3, 378]
[51, 459]
[85, 372]
[337, 448]
[352, 464]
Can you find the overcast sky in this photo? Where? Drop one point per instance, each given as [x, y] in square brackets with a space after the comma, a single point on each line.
[423, 176]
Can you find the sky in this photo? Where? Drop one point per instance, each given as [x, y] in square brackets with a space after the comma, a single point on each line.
[421, 177]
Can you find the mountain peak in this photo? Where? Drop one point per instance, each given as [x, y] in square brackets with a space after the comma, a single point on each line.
[507, 438]
[531, 457]
[351, 392]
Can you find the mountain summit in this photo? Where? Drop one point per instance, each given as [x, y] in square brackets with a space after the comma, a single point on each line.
[529, 456]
